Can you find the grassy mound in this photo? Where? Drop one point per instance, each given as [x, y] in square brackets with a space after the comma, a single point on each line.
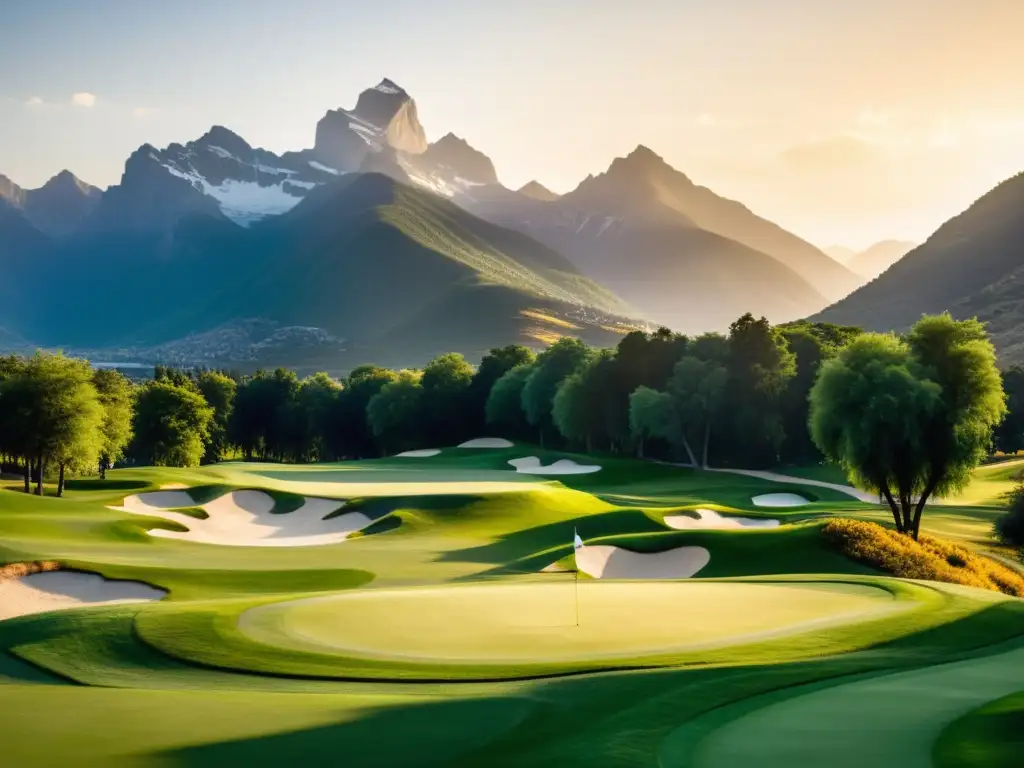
[989, 737]
[929, 558]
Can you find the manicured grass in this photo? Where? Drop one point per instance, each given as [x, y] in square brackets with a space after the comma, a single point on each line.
[178, 682]
[991, 736]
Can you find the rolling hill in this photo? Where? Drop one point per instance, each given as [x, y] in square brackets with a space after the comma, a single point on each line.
[686, 256]
[382, 271]
[973, 265]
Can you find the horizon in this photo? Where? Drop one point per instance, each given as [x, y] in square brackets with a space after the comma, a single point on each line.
[913, 137]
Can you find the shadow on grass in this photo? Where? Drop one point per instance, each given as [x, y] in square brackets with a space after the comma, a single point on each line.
[95, 484]
[412, 735]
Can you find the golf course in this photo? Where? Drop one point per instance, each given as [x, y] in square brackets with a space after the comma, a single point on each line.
[429, 609]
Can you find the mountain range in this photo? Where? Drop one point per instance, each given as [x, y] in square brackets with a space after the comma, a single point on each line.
[377, 245]
[873, 261]
[972, 266]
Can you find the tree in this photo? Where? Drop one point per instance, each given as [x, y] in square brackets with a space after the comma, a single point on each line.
[504, 408]
[697, 389]
[263, 422]
[760, 365]
[64, 412]
[1010, 433]
[492, 367]
[555, 363]
[218, 390]
[172, 425]
[1009, 528]
[651, 415]
[586, 409]
[909, 418]
[16, 432]
[350, 433]
[117, 399]
[315, 403]
[393, 412]
[445, 383]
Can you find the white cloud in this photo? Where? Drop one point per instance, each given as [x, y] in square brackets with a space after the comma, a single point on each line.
[34, 101]
[83, 99]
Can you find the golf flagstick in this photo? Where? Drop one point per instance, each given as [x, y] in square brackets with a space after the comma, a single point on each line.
[577, 545]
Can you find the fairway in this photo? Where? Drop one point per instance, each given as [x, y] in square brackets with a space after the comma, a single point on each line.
[904, 714]
[509, 624]
[409, 595]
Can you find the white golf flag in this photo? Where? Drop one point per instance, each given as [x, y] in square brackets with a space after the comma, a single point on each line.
[577, 545]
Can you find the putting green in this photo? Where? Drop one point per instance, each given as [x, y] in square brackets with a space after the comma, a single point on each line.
[530, 622]
[888, 720]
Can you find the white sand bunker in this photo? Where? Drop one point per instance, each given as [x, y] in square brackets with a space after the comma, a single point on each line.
[60, 590]
[487, 442]
[779, 500]
[709, 519]
[422, 453]
[607, 562]
[530, 465]
[244, 519]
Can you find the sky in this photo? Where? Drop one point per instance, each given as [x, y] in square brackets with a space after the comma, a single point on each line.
[845, 122]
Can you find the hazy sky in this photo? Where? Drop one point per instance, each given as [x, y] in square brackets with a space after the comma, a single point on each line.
[846, 121]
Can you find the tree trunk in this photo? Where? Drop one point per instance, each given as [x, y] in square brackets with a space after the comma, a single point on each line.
[60, 481]
[908, 512]
[919, 509]
[640, 448]
[28, 475]
[39, 478]
[707, 440]
[689, 452]
[892, 506]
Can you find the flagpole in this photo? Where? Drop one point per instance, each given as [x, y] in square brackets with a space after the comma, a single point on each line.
[577, 580]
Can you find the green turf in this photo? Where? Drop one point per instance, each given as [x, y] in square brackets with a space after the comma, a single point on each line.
[991, 736]
[180, 683]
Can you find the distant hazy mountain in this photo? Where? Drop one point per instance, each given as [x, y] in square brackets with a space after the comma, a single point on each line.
[537, 191]
[679, 252]
[879, 257]
[840, 253]
[973, 265]
[56, 209]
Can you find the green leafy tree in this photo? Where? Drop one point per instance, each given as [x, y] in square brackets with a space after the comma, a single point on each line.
[264, 422]
[446, 381]
[1009, 436]
[350, 433]
[504, 409]
[492, 367]
[116, 395]
[219, 392]
[651, 415]
[586, 410]
[58, 415]
[909, 418]
[171, 425]
[698, 389]
[554, 364]
[16, 399]
[393, 412]
[315, 403]
[760, 366]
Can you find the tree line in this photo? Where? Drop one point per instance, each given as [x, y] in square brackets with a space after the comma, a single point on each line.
[758, 396]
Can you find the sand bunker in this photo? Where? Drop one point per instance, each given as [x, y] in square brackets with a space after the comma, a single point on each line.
[607, 562]
[60, 590]
[779, 500]
[173, 487]
[530, 465]
[709, 519]
[487, 442]
[245, 519]
[422, 453]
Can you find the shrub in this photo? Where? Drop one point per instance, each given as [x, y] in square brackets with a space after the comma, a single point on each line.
[17, 570]
[929, 558]
[1009, 528]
